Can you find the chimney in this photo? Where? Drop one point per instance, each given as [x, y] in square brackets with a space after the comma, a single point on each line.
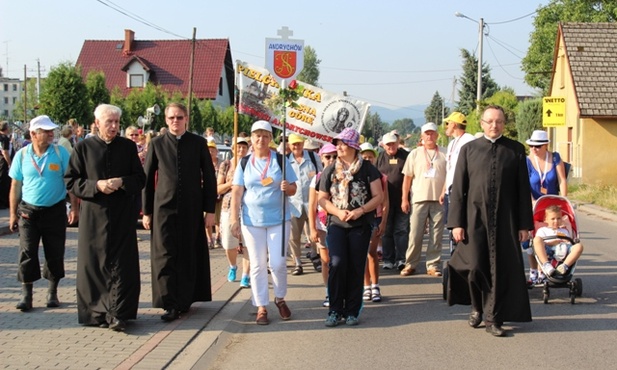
[129, 36]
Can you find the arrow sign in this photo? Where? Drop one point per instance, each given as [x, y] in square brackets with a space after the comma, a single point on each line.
[548, 113]
[555, 109]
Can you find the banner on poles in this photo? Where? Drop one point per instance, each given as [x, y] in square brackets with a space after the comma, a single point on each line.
[319, 115]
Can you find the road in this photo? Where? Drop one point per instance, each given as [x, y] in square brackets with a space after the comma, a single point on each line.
[414, 328]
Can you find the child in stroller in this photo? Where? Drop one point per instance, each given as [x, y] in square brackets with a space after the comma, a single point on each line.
[553, 244]
[556, 244]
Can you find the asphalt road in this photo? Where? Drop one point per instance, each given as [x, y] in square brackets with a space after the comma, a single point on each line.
[414, 328]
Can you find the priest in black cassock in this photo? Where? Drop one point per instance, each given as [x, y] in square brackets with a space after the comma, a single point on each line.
[490, 214]
[106, 174]
[180, 191]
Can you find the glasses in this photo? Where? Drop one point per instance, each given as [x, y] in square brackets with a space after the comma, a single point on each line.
[179, 118]
[535, 146]
[497, 122]
[329, 156]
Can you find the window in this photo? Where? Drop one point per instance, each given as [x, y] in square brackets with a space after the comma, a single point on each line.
[136, 81]
[6, 100]
[221, 86]
[6, 113]
[14, 87]
[14, 100]
[6, 87]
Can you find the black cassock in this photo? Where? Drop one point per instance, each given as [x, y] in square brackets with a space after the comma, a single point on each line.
[180, 187]
[108, 280]
[491, 200]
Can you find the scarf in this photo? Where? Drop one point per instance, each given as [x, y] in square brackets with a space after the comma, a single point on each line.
[342, 176]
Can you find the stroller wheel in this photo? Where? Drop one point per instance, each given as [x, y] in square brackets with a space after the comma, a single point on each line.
[579, 287]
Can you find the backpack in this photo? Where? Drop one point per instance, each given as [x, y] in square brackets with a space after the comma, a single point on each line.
[279, 160]
[21, 159]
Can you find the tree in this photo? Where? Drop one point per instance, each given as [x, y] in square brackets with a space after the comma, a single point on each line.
[437, 110]
[139, 100]
[97, 91]
[403, 126]
[310, 72]
[528, 118]
[373, 128]
[469, 83]
[65, 95]
[538, 62]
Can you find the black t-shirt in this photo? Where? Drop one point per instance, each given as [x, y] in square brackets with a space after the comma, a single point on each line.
[392, 166]
[5, 144]
[359, 192]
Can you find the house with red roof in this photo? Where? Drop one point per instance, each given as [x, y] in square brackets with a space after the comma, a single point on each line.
[129, 64]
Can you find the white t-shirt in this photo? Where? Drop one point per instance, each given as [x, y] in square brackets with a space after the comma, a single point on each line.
[454, 148]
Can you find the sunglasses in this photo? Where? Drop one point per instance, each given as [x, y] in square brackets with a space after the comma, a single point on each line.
[535, 146]
[329, 156]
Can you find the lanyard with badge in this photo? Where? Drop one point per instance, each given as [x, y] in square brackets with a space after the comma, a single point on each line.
[36, 167]
[265, 181]
[430, 172]
[543, 173]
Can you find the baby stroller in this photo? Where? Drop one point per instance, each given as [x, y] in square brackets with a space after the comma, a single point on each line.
[575, 286]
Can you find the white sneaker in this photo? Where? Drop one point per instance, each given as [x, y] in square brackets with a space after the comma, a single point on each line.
[388, 265]
[562, 270]
[548, 269]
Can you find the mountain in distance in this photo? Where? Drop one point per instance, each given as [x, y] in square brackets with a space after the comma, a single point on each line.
[415, 112]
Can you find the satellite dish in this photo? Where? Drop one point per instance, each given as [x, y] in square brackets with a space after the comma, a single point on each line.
[141, 121]
[155, 109]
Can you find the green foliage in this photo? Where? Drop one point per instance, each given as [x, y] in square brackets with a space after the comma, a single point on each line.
[97, 91]
[528, 118]
[374, 128]
[310, 72]
[469, 83]
[538, 62]
[437, 110]
[403, 126]
[138, 101]
[65, 95]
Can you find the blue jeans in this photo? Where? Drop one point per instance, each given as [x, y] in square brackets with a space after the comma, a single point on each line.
[347, 249]
[395, 239]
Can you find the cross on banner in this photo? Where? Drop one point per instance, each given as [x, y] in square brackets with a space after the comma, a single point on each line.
[285, 33]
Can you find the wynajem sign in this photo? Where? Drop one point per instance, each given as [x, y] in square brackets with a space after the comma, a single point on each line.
[284, 56]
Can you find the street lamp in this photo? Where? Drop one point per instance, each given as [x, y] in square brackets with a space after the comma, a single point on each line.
[480, 39]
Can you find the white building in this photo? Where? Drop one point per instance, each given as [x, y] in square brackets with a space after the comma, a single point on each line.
[10, 94]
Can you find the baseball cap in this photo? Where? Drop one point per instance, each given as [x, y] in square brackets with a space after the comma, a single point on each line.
[242, 140]
[311, 144]
[388, 138]
[43, 123]
[261, 125]
[211, 144]
[429, 126]
[456, 117]
[294, 139]
[368, 147]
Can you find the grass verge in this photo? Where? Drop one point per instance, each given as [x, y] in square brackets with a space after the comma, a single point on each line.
[604, 196]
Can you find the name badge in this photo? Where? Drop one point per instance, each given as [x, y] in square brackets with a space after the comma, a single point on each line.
[393, 161]
[267, 181]
[543, 190]
[430, 173]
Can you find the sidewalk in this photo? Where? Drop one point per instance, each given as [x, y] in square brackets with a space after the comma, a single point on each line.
[52, 338]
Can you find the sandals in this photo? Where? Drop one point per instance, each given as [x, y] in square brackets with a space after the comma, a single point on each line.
[284, 311]
[262, 318]
[367, 295]
[376, 294]
[433, 271]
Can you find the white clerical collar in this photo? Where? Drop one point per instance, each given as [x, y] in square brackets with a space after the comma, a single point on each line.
[492, 140]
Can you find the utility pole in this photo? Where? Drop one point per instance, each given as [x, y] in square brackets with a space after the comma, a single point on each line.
[38, 80]
[25, 95]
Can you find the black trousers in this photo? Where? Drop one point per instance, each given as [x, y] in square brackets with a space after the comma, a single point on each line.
[48, 224]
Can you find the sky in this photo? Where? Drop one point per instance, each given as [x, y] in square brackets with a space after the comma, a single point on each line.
[393, 54]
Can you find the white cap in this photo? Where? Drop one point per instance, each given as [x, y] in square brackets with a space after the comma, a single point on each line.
[390, 137]
[43, 123]
[429, 126]
[261, 125]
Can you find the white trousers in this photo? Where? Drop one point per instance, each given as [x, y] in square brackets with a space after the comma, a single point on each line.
[264, 247]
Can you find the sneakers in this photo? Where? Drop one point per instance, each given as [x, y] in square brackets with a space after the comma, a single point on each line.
[298, 270]
[400, 265]
[245, 282]
[375, 294]
[351, 320]
[562, 269]
[326, 302]
[533, 276]
[332, 319]
[367, 296]
[548, 269]
[231, 275]
[388, 266]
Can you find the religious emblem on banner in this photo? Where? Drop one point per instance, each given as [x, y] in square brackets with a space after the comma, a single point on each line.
[284, 56]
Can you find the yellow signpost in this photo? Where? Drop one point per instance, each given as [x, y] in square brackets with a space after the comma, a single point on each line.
[553, 111]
